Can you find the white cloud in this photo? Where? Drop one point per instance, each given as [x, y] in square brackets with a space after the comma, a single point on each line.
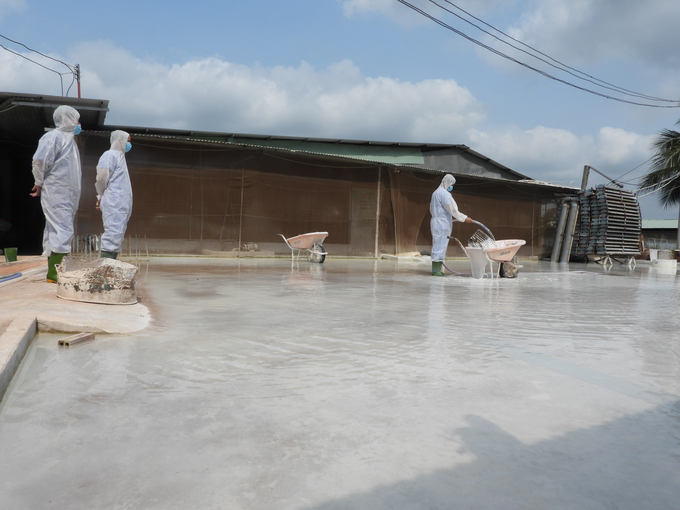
[338, 102]
[589, 30]
[213, 94]
[632, 35]
[557, 155]
[616, 146]
[20, 75]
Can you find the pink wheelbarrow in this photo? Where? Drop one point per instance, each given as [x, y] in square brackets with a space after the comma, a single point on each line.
[483, 249]
[312, 243]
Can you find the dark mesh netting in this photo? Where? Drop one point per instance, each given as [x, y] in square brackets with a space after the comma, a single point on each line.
[190, 197]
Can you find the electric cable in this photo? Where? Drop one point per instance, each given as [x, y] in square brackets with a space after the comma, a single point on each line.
[61, 79]
[630, 171]
[36, 51]
[659, 185]
[73, 80]
[61, 75]
[523, 64]
[610, 86]
[37, 63]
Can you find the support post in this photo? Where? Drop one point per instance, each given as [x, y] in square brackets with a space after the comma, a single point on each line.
[569, 231]
[584, 180]
[377, 215]
[559, 233]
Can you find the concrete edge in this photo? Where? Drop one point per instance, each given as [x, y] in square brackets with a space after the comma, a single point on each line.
[14, 343]
[54, 326]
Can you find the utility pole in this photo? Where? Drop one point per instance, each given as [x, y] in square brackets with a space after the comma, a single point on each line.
[586, 173]
[77, 73]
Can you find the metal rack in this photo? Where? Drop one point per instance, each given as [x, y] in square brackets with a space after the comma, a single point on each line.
[609, 225]
[86, 246]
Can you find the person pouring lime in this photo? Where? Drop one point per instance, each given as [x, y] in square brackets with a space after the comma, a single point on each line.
[443, 209]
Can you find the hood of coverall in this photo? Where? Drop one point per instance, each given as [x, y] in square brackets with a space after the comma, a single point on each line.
[66, 118]
[448, 180]
[118, 140]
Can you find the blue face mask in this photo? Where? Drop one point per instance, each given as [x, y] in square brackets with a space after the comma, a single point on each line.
[449, 189]
[78, 130]
[128, 146]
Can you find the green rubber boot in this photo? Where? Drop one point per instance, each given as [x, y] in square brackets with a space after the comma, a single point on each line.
[437, 269]
[52, 262]
[109, 254]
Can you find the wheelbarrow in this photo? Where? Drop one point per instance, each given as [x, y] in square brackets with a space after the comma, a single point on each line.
[483, 249]
[312, 243]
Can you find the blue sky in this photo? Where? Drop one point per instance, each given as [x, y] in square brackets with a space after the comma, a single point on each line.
[369, 69]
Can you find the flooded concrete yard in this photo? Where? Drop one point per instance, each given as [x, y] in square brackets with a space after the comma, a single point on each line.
[358, 384]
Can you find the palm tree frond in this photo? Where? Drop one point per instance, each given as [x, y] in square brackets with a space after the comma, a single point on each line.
[664, 173]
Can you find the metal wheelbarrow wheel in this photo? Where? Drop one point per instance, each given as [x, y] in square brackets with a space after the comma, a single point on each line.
[317, 254]
[509, 268]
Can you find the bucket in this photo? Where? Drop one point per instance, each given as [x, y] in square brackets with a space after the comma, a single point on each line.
[665, 266]
[478, 261]
[10, 254]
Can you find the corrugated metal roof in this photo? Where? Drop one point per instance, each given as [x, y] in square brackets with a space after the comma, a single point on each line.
[34, 112]
[197, 139]
[660, 224]
[400, 153]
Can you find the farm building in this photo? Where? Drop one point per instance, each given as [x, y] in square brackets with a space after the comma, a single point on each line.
[225, 192]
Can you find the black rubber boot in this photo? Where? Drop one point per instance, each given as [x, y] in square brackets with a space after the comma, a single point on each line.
[109, 254]
[437, 269]
[52, 262]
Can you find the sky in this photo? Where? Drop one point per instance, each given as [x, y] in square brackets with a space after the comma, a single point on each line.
[374, 70]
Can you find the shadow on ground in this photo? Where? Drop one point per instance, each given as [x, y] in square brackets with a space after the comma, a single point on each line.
[630, 463]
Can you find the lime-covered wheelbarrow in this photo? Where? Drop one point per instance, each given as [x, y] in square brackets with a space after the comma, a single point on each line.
[312, 243]
[483, 249]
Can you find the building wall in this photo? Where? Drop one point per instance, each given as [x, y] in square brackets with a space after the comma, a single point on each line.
[191, 196]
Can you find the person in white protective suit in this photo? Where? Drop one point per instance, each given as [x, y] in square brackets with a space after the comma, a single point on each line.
[443, 209]
[57, 174]
[114, 193]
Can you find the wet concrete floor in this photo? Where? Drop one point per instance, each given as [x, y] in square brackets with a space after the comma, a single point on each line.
[358, 384]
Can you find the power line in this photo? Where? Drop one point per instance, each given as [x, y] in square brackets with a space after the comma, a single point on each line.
[70, 68]
[501, 54]
[73, 80]
[563, 66]
[37, 63]
[630, 183]
[61, 79]
[658, 186]
[61, 75]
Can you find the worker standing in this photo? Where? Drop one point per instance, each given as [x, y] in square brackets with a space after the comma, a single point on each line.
[443, 209]
[57, 174]
[114, 193]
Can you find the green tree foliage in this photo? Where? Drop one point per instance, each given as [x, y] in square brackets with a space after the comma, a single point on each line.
[664, 174]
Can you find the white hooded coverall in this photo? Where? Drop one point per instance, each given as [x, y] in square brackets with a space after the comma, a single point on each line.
[56, 168]
[443, 208]
[114, 192]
